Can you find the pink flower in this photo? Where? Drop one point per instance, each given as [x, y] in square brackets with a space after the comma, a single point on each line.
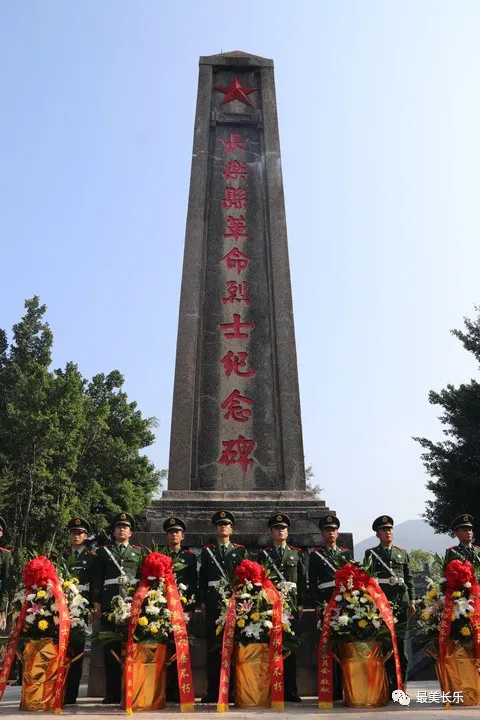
[35, 608]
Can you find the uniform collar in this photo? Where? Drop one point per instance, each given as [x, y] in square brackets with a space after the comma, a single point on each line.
[78, 550]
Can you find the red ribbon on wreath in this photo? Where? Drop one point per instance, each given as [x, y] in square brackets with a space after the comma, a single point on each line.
[160, 567]
[459, 574]
[37, 574]
[255, 573]
[353, 578]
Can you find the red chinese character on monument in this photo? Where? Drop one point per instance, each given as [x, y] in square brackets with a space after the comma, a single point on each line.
[235, 328]
[236, 259]
[236, 227]
[235, 143]
[237, 451]
[235, 170]
[237, 291]
[235, 198]
[233, 363]
[233, 404]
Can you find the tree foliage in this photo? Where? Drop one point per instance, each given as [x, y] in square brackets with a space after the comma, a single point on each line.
[67, 445]
[310, 484]
[454, 463]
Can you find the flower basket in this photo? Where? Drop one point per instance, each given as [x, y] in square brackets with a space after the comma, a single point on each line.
[449, 631]
[253, 619]
[252, 675]
[357, 617]
[150, 664]
[364, 681]
[460, 674]
[156, 620]
[44, 620]
[40, 666]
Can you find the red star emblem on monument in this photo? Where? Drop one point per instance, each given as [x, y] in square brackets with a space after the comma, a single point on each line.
[235, 91]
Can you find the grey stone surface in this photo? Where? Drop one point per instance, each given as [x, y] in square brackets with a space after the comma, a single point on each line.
[198, 483]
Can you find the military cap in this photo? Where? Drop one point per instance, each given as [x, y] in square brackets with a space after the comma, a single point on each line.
[3, 524]
[78, 523]
[465, 520]
[123, 518]
[174, 523]
[384, 521]
[279, 520]
[223, 517]
[329, 521]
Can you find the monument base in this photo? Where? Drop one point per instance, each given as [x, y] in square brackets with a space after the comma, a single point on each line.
[251, 510]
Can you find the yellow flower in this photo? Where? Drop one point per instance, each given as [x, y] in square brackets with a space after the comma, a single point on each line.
[76, 581]
[465, 631]
[218, 630]
[425, 615]
[453, 616]
[41, 594]
[43, 625]
[183, 599]
[347, 595]
[154, 629]
[67, 584]
[457, 594]
[241, 622]
[255, 616]
[153, 594]
[285, 627]
[432, 593]
[142, 621]
[362, 623]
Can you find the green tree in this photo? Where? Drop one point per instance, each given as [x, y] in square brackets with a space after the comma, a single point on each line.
[454, 463]
[310, 484]
[420, 558]
[66, 445]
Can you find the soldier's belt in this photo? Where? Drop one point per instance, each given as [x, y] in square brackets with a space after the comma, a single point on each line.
[119, 581]
[213, 583]
[82, 588]
[330, 583]
[394, 580]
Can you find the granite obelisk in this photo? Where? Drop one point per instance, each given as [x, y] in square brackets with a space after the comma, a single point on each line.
[236, 438]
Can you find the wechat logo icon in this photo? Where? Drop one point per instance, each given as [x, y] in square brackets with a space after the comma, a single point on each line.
[400, 697]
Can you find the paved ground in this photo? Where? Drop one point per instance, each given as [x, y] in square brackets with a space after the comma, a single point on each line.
[90, 708]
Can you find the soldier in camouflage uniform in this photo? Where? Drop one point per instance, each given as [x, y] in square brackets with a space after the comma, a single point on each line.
[79, 563]
[116, 568]
[186, 580]
[217, 563]
[323, 562]
[391, 566]
[462, 526]
[4, 577]
[285, 563]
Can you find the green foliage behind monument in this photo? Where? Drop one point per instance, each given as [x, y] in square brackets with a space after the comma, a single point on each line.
[68, 445]
[454, 463]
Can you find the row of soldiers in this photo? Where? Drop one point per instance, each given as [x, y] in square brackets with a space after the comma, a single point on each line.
[115, 567]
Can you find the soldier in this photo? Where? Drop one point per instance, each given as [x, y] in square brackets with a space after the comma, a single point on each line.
[115, 569]
[79, 562]
[217, 562]
[286, 564]
[391, 566]
[4, 577]
[174, 529]
[323, 563]
[462, 526]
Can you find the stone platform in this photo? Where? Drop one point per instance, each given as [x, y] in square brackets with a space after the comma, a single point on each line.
[88, 707]
[251, 510]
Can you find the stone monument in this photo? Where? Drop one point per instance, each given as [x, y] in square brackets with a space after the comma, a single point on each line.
[236, 439]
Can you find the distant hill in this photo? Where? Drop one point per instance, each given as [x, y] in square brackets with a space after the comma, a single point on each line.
[411, 535]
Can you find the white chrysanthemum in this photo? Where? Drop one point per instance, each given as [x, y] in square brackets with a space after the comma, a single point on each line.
[338, 598]
[343, 620]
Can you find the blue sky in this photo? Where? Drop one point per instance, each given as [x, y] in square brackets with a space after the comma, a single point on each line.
[379, 113]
